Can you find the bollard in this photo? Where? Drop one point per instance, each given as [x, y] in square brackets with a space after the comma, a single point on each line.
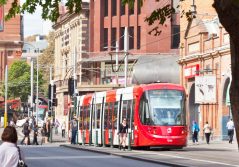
[129, 143]
[111, 139]
[90, 138]
[83, 138]
[96, 138]
[51, 133]
[77, 137]
[103, 138]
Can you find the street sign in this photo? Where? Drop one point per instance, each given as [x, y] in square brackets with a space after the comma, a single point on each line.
[205, 89]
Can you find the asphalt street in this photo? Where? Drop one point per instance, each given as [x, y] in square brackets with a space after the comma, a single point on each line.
[49, 156]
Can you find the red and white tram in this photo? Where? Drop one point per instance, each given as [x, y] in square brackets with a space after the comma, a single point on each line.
[155, 114]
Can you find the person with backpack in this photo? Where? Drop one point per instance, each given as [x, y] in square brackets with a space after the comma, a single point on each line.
[26, 132]
[74, 125]
[195, 131]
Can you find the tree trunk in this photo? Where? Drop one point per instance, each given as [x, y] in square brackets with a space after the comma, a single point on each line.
[228, 13]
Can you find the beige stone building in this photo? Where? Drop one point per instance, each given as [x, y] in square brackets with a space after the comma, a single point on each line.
[205, 68]
[72, 42]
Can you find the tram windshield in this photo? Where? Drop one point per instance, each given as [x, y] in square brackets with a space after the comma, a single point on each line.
[163, 107]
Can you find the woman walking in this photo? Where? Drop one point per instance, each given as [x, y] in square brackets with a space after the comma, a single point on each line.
[207, 132]
[123, 130]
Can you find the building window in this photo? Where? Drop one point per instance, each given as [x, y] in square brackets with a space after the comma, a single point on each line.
[105, 44]
[122, 9]
[131, 10]
[138, 37]
[121, 38]
[114, 7]
[131, 37]
[106, 8]
[175, 37]
[113, 38]
[139, 6]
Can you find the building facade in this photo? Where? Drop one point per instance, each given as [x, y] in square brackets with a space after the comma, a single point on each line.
[10, 31]
[205, 65]
[108, 19]
[90, 38]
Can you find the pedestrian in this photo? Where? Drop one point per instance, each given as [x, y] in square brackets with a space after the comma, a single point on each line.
[43, 134]
[35, 134]
[63, 129]
[12, 123]
[56, 125]
[195, 131]
[73, 130]
[9, 155]
[230, 128]
[123, 130]
[26, 131]
[207, 131]
[48, 130]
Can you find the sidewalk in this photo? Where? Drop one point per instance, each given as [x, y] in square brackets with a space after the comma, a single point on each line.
[219, 154]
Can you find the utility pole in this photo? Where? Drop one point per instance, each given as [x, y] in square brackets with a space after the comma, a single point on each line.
[51, 101]
[126, 48]
[5, 113]
[117, 62]
[37, 102]
[75, 89]
[32, 74]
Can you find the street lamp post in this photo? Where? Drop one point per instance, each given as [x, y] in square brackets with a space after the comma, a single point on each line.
[5, 112]
[32, 74]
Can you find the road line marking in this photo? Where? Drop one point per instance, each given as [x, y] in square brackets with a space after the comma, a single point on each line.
[69, 157]
[193, 159]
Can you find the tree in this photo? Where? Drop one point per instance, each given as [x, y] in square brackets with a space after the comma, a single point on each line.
[19, 80]
[227, 10]
[46, 59]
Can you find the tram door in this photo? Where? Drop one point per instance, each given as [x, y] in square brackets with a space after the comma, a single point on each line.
[127, 111]
[97, 120]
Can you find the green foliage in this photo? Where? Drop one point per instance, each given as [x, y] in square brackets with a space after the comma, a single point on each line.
[19, 80]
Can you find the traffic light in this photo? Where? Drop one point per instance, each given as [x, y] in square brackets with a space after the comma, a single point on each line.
[49, 113]
[54, 91]
[49, 105]
[49, 91]
[54, 102]
[71, 86]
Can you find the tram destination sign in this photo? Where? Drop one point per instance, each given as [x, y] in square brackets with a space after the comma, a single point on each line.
[205, 89]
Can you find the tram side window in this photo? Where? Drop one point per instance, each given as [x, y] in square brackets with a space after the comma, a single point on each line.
[115, 114]
[127, 106]
[132, 115]
[108, 115]
[98, 109]
[81, 121]
[87, 116]
[144, 111]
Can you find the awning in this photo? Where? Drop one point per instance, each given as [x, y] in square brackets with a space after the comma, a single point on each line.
[156, 68]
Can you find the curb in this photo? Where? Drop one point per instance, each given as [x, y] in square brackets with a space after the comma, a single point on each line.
[124, 156]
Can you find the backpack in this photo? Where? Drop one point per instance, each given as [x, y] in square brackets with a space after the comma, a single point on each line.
[25, 129]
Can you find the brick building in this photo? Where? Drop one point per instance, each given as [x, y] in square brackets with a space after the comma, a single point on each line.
[205, 68]
[10, 31]
[108, 19]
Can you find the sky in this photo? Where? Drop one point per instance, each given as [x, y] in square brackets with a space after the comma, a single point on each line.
[34, 24]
